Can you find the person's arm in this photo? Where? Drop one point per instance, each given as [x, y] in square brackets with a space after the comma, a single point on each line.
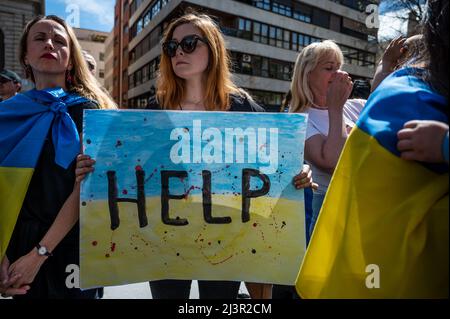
[7, 282]
[389, 61]
[324, 151]
[28, 266]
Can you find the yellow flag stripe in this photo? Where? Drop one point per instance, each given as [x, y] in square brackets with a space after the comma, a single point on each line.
[384, 211]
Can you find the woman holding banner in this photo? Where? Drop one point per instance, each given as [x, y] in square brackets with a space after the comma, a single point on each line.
[195, 76]
[40, 138]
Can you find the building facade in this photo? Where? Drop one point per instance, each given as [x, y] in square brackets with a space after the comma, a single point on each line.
[94, 43]
[264, 38]
[109, 60]
[14, 15]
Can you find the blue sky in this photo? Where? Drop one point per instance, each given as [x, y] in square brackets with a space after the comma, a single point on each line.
[99, 14]
[93, 14]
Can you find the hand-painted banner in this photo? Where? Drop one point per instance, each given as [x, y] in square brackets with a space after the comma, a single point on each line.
[192, 195]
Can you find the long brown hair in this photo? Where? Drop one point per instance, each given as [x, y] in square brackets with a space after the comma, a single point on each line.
[83, 82]
[219, 85]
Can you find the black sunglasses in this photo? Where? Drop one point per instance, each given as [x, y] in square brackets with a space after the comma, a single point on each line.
[187, 44]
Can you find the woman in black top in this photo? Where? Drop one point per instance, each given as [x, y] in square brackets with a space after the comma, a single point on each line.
[45, 241]
[195, 76]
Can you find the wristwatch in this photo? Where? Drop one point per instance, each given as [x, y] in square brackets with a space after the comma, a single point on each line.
[43, 251]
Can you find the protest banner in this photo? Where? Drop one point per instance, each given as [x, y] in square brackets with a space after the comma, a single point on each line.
[191, 195]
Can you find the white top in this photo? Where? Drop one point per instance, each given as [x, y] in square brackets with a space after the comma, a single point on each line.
[318, 123]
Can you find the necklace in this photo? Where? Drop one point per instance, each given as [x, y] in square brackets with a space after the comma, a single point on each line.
[193, 103]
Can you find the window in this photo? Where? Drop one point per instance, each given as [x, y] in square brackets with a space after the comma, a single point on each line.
[262, 66]
[271, 101]
[145, 73]
[264, 33]
[256, 32]
[155, 9]
[321, 18]
[138, 77]
[147, 19]
[286, 36]
[279, 37]
[131, 83]
[294, 42]
[282, 7]
[101, 74]
[101, 56]
[149, 14]
[245, 28]
[302, 12]
[263, 4]
[265, 67]
[272, 35]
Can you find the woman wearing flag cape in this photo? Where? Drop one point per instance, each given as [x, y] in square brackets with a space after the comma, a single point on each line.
[40, 138]
[383, 229]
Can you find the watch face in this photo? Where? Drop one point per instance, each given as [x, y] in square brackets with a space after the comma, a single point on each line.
[42, 251]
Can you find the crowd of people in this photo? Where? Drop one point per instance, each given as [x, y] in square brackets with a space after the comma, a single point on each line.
[194, 74]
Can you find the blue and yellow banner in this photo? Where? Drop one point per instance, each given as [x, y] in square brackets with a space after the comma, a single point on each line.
[383, 228]
[192, 195]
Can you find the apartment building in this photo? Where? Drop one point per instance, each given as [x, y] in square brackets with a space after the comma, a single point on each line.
[263, 38]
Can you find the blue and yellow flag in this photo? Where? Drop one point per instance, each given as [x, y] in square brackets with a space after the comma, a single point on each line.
[24, 124]
[383, 228]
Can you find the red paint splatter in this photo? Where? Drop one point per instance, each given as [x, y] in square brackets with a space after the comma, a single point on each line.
[190, 189]
[255, 224]
[124, 192]
[138, 168]
[94, 243]
[220, 262]
[113, 247]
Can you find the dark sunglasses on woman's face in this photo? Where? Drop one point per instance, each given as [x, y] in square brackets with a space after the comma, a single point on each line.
[187, 44]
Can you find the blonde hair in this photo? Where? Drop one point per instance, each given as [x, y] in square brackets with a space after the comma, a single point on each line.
[82, 80]
[219, 85]
[307, 60]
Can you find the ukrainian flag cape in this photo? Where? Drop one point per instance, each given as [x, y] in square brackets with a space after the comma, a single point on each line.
[383, 228]
[25, 121]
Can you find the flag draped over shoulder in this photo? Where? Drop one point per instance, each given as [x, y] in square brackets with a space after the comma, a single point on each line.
[383, 228]
[25, 121]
